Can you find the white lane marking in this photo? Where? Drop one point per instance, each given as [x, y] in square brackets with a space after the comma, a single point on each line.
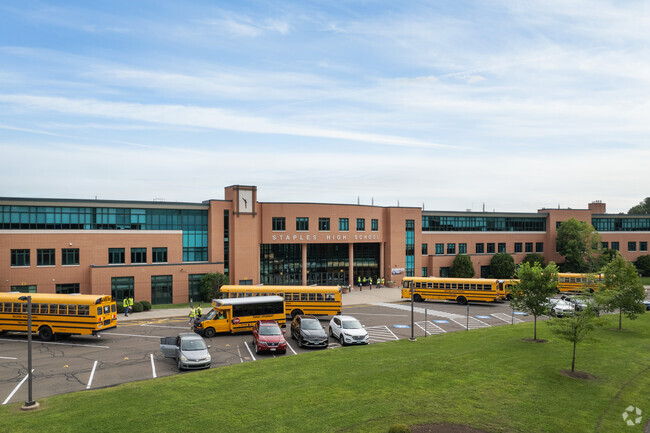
[61, 344]
[289, 346]
[373, 314]
[249, 351]
[241, 360]
[7, 357]
[472, 322]
[16, 388]
[163, 326]
[421, 310]
[92, 373]
[381, 333]
[153, 366]
[507, 318]
[133, 335]
[430, 328]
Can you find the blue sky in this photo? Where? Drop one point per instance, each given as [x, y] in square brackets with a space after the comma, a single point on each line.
[451, 104]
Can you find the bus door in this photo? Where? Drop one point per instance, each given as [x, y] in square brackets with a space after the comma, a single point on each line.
[221, 320]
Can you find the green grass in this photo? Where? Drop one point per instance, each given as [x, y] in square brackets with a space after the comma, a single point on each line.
[186, 305]
[487, 378]
[645, 281]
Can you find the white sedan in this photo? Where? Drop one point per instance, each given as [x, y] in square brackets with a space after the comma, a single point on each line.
[348, 330]
[560, 307]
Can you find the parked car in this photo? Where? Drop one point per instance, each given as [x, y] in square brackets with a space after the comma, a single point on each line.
[647, 304]
[560, 307]
[268, 337]
[188, 349]
[308, 331]
[348, 330]
[580, 303]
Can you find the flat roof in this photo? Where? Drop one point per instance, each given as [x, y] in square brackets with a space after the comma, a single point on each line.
[484, 214]
[28, 201]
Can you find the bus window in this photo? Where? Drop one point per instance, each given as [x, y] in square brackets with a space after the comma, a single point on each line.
[83, 310]
[319, 296]
[453, 286]
[472, 286]
[312, 296]
[99, 311]
[296, 296]
[287, 296]
[466, 286]
[405, 284]
[429, 285]
[53, 308]
[63, 309]
[113, 308]
[107, 309]
[35, 308]
[447, 286]
[249, 294]
[329, 297]
[417, 285]
[303, 296]
[72, 310]
[45, 308]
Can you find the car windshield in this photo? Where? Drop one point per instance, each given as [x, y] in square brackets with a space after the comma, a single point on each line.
[270, 330]
[193, 344]
[351, 324]
[311, 324]
[210, 315]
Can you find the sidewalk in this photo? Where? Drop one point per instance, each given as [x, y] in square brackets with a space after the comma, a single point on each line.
[356, 297]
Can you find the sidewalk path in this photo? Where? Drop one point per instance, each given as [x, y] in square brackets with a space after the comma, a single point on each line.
[356, 297]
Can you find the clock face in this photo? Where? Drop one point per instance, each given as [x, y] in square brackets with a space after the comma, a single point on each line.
[245, 201]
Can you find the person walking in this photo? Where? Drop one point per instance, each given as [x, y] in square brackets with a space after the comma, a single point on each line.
[359, 281]
[192, 315]
[199, 312]
[125, 304]
[131, 304]
[370, 282]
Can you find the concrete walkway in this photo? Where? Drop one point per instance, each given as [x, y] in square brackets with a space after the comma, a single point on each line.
[356, 297]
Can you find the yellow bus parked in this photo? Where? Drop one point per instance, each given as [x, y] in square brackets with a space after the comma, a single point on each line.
[239, 315]
[315, 300]
[571, 282]
[460, 290]
[58, 314]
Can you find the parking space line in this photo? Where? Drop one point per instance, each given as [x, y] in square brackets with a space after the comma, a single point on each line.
[132, 335]
[16, 388]
[381, 333]
[428, 326]
[241, 360]
[61, 344]
[7, 357]
[373, 314]
[507, 318]
[153, 366]
[165, 326]
[92, 373]
[289, 346]
[472, 322]
[249, 351]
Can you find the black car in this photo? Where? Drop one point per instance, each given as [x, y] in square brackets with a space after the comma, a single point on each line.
[308, 331]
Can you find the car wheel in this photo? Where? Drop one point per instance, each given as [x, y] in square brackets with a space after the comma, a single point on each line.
[341, 339]
[299, 342]
[210, 332]
[331, 335]
[293, 336]
[180, 365]
[45, 333]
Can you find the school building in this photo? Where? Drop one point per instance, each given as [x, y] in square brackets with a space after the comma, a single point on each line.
[159, 251]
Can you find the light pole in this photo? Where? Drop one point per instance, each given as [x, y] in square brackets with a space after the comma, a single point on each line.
[412, 313]
[30, 403]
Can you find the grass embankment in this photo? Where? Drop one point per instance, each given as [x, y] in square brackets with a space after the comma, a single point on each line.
[486, 378]
[645, 281]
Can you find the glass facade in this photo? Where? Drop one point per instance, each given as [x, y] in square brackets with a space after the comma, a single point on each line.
[193, 223]
[611, 224]
[410, 248]
[122, 287]
[281, 264]
[437, 223]
[327, 264]
[194, 287]
[162, 291]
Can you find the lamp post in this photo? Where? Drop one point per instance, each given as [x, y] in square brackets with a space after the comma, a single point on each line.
[30, 403]
[412, 313]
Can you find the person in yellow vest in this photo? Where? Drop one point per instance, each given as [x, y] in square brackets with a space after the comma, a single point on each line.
[125, 304]
[359, 281]
[370, 282]
[199, 312]
[364, 282]
[382, 282]
[131, 305]
[192, 315]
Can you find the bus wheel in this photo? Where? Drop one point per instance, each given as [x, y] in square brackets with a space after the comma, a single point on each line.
[209, 332]
[417, 298]
[3, 332]
[295, 313]
[45, 333]
[461, 300]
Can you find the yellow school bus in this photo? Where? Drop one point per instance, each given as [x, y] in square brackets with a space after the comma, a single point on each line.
[239, 315]
[53, 315]
[316, 300]
[460, 290]
[572, 282]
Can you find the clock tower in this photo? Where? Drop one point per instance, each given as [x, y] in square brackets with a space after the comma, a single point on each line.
[244, 234]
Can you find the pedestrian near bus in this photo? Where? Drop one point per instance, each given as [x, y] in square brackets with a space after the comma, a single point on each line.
[125, 304]
[192, 315]
[199, 312]
[370, 282]
[131, 305]
[359, 281]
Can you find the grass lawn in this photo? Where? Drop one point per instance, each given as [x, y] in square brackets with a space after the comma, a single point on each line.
[645, 281]
[487, 378]
[186, 305]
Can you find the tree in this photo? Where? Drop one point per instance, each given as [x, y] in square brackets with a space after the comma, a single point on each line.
[535, 286]
[622, 290]
[574, 328]
[643, 265]
[462, 267]
[502, 265]
[641, 208]
[606, 257]
[211, 285]
[533, 258]
[578, 242]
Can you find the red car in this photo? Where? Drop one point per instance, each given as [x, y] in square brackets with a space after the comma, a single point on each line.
[267, 336]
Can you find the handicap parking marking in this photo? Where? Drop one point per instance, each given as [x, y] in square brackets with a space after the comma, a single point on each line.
[381, 333]
[483, 317]
[401, 326]
[441, 321]
[430, 328]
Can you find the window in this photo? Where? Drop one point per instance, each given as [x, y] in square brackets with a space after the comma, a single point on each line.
[529, 247]
[425, 271]
[302, 224]
[631, 246]
[440, 248]
[138, 255]
[490, 248]
[324, 224]
[115, 256]
[19, 257]
[605, 245]
[23, 289]
[444, 272]
[159, 255]
[643, 246]
[462, 248]
[451, 248]
[45, 257]
[539, 247]
[344, 224]
[519, 247]
[161, 289]
[278, 224]
[67, 288]
[482, 224]
[361, 224]
[194, 287]
[70, 256]
[480, 248]
[374, 225]
[425, 249]
[502, 247]
[615, 246]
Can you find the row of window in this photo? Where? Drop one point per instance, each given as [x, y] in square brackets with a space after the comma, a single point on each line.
[438, 223]
[58, 309]
[60, 289]
[116, 256]
[631, 246]
[279, 224]
[492, 248]
[322, 297]
[70, 256]
[453, 286]
[633, 224]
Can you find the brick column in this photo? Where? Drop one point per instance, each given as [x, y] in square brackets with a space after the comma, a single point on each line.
[304, 264]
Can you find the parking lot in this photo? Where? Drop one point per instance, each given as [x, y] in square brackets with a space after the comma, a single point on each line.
[132, 351]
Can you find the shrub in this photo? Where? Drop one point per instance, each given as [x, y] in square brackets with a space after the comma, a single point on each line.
[502, 265]
[137, 307]
[462, 267]
[120, 308]
[146, 305]
[533, 258]
[399, 428]
[643, 265]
